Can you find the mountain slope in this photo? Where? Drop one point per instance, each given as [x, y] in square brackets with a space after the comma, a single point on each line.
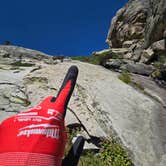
[105, 105]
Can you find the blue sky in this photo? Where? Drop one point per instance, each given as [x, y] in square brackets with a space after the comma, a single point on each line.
[66, 27]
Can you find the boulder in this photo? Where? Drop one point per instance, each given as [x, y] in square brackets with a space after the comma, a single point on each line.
[147, 56]
[3, 53]
[102, 52]
[113, 63]
[129, 55]
[111, 53]
[128, 44]
[120, 52]
[139, 68]
[164, 34]
[128, 24]
[19, 55]
[159, 46]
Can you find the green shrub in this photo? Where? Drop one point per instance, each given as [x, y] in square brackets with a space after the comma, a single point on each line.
[111, 153]
[115, 56]
[161, 62]
[138, 85]
[88, 59]
[125, 77]
[19, 63]
[96, 59]
[90, 159]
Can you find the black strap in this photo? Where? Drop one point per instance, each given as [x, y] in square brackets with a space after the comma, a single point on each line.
[75, 152]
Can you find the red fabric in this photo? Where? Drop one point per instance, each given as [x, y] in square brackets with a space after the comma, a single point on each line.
[36, 135]
[28, 159]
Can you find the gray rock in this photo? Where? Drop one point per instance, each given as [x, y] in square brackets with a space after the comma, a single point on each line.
[163, 161]
[128, 44]
[147, 55]
[159, 46]
[149, 87]
[156, 22]
[24, 52]
[129, 55]
[120, 51]
[102, 52]
[140, 68]
[113, 63]
[14, 54]
[4, 53]
[164, 34]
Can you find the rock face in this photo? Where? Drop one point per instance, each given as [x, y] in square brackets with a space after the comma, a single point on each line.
[140, 21]
[18, 55]
[103, 104]
[140, 26]
[156, 22]
[139, 68]
[128, 24]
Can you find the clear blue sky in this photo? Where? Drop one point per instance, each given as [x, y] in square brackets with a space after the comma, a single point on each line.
[68, 27]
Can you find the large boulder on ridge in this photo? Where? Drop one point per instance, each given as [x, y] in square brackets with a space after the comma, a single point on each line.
[139, 21]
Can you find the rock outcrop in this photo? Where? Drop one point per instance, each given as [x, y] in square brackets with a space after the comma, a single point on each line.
[156, 22]
[140, 26]
[128, 25]
[140, 21]
[103, 104]
[18, 55]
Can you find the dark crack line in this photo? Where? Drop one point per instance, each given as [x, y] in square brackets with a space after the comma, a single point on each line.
[79, 121]
[6, 83]
[93, 139]
[4, 110]
[35, 69]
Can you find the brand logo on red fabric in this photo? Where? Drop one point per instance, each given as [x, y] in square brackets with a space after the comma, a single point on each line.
[40, 129]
